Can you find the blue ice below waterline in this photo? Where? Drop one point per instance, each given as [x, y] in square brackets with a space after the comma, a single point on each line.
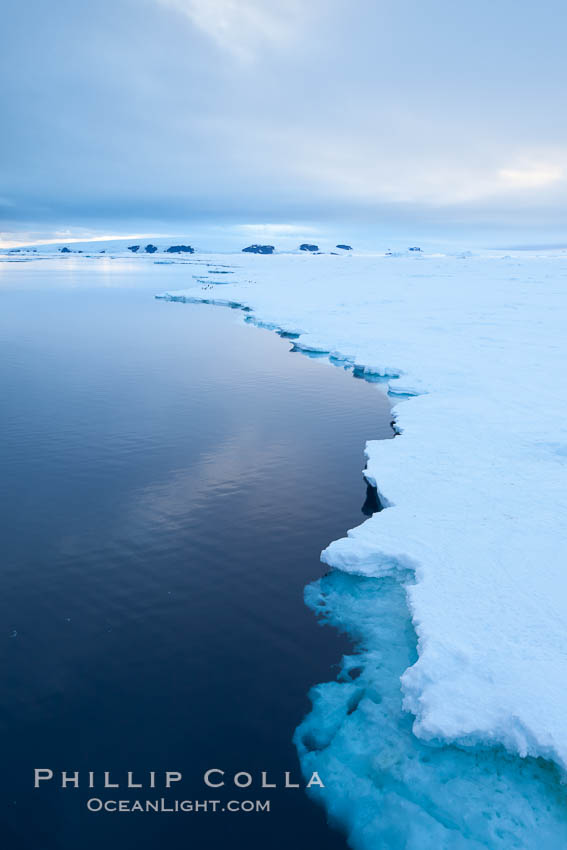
[385, 787]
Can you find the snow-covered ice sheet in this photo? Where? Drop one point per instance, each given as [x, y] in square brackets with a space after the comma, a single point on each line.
[475, 485]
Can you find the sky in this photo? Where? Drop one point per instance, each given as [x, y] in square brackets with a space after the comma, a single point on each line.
[418, 116]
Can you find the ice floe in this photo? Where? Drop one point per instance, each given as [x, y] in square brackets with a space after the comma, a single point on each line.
[476, 495]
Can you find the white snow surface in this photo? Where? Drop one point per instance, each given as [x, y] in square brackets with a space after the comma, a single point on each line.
[475, 484]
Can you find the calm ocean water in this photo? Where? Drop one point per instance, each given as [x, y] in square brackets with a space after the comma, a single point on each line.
[169, 478]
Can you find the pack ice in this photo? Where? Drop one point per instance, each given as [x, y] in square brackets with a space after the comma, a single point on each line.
[465, 664]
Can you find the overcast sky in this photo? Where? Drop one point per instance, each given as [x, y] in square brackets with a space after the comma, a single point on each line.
[127, 115]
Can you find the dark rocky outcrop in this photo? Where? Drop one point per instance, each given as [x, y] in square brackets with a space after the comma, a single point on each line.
[344, 247]
[307, 247]
[133, 248]
[259, 249]
[150, 249]
[65, 250]
[180, 249]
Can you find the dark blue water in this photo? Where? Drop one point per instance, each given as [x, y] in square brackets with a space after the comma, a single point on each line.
[169, 478]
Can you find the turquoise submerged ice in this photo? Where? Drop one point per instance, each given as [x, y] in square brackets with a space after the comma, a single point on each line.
[385, 787]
